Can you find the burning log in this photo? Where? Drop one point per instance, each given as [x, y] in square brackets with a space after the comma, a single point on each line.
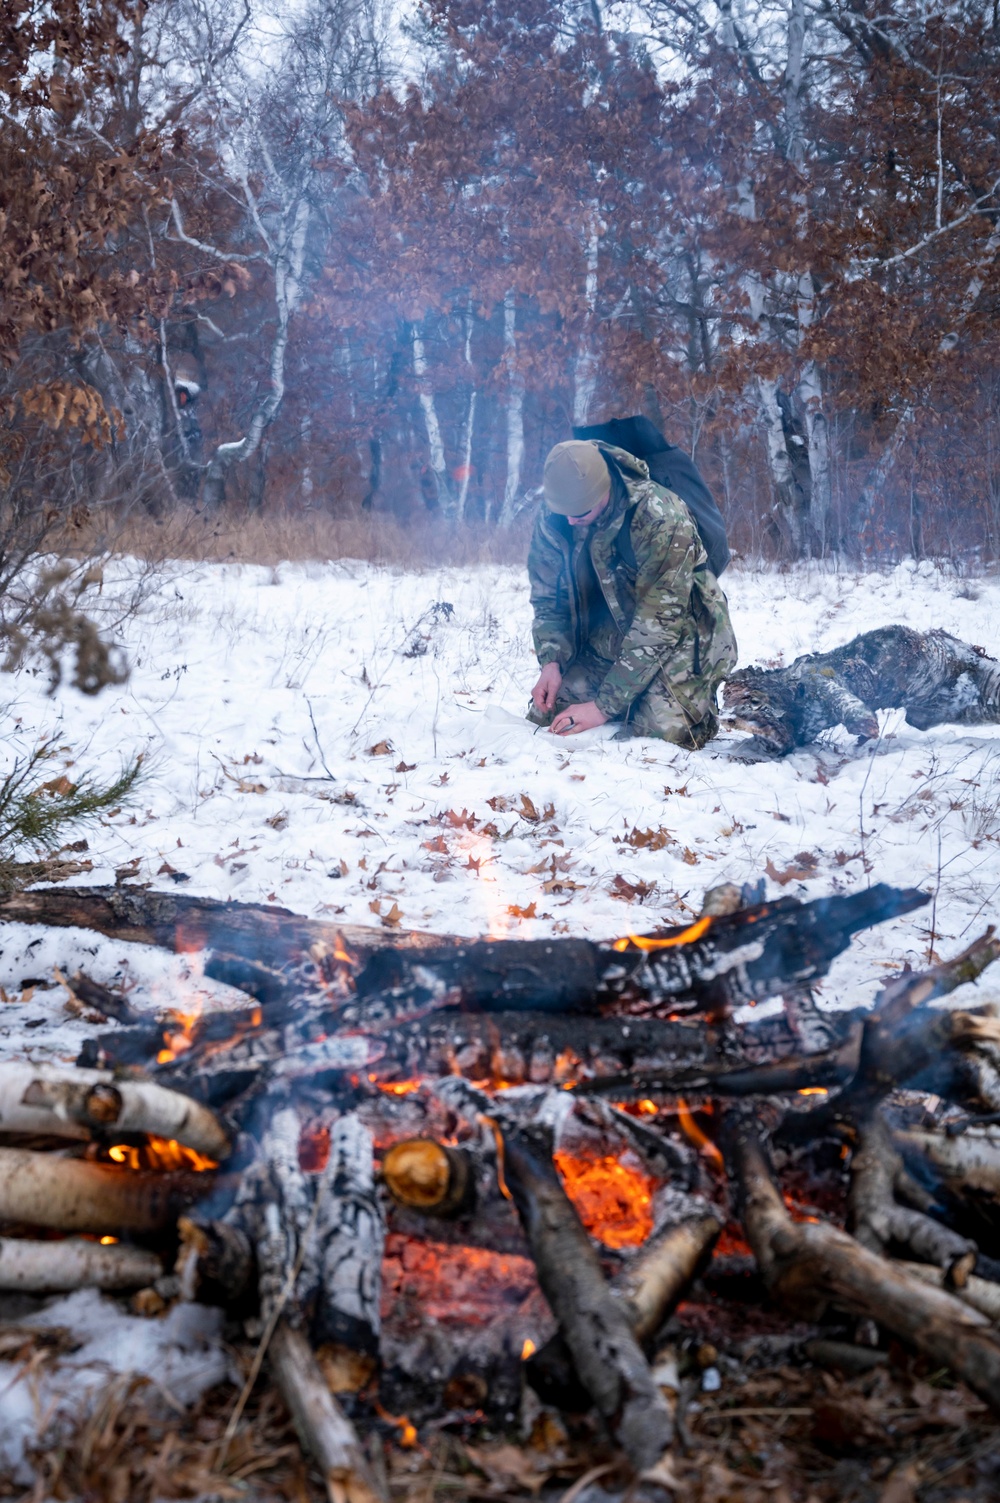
[811, 1264]
[53, 1267]
[714, 964]
[935, 677]
[41, 1189]
[593, 1323]
[68, 1103]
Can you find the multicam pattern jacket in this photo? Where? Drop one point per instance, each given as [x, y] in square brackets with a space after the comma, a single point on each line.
[655, 579]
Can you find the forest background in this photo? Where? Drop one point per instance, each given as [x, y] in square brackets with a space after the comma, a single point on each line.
[328, 262]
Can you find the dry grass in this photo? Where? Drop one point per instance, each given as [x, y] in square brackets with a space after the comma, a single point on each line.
[232, 535]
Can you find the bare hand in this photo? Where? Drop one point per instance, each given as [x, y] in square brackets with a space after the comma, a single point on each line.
[578, 718]
[544, 693]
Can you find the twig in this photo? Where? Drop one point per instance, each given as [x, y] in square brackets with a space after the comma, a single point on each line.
[319, 747]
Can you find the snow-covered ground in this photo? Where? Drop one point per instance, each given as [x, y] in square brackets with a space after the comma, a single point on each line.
[319, 736]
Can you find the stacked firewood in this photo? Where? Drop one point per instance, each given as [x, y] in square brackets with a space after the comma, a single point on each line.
[431, 1089]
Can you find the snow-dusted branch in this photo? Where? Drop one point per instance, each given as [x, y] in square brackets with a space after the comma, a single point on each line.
[202, 245]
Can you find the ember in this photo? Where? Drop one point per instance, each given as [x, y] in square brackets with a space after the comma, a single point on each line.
[159, 1153]
[614, 1199]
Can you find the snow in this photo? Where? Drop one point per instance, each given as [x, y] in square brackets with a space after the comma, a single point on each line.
[264, 700]
[318, 736]
[180, 1356]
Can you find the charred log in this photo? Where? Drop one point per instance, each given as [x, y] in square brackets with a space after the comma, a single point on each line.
[933, 676]
[593, 1323]
[428, 1176]
[175, 921]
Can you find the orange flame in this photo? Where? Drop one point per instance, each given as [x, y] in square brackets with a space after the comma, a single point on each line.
[407, 1429]
[396, 1087]
[528, 1349]
[614, 1200]
[161, 1153]
[694, 1134]
[341, 952]
[647, 942]
[814, 1090]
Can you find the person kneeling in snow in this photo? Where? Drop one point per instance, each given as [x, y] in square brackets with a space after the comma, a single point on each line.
[629, 622]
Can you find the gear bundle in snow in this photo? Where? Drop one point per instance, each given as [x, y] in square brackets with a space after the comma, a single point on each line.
[672, 468]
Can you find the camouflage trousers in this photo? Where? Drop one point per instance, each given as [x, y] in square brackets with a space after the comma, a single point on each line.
[679, 706]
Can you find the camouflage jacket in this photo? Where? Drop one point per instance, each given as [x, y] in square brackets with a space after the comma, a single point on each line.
[658, 588]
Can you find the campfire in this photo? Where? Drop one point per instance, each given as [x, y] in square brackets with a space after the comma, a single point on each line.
[428, 1174]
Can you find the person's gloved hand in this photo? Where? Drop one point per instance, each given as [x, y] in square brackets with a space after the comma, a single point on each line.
[577, 718]
[543, 695]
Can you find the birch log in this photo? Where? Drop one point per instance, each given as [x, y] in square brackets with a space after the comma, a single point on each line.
[41, 1189]
[51, 1267]
[68, 1103]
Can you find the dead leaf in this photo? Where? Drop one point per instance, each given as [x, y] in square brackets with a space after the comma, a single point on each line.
[278, 821]
[404, 766]
[375, 906]
[528, 810]
[463, 821]
[801, 868]
[689, 857]
[523, 913]
[653, 840]
[438, 844]
[500, 805]
[392, 919]
[380, 749]
[58, 787]
[561, 884]
[506, 1464]
[629, 892]
[166, 870]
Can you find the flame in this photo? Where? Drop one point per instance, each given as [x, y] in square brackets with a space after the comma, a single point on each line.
[694, 1134]
[647, 1108]
[646, 942]
[161, 1153]
[341, 952]
[407, 1429]
[528, 1349]
[613, 1199]
[108, 1241]
[814, 1090]
[796, 1211]
[181, 1035]
[396, 1087]
[478, 850]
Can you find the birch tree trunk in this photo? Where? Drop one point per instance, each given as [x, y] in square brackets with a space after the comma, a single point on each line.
[435, 442]
[470, 420]
[585, 373]
[515, 411]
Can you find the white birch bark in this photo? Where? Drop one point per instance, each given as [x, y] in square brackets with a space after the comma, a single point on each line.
[463, 494]
[515, 411]
[585, 373]
[435, 442]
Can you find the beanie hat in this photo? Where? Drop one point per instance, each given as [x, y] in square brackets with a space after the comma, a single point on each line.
[575, 478]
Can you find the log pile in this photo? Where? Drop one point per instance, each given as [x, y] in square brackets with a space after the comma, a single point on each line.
[468, 1098]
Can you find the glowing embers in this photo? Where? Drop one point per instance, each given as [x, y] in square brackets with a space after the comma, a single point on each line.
[453, 1286]
[164, 1154]
[669, 942]
[613, 1196]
